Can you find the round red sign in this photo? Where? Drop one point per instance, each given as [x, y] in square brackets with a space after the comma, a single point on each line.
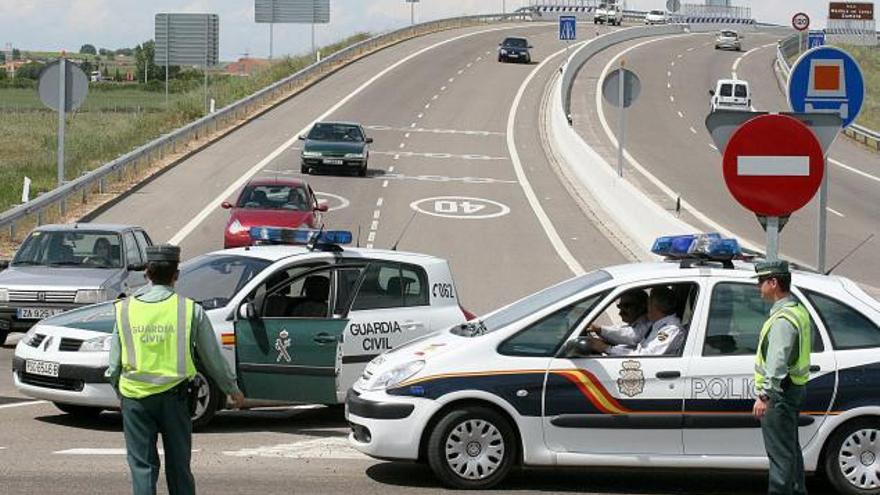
[773, 165]
[800, 21]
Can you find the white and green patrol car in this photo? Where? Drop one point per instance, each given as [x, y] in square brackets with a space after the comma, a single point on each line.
[298, 324]
[519, 387]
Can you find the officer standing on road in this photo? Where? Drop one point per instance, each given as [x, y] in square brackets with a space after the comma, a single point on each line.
[782, 369]
[151, 363]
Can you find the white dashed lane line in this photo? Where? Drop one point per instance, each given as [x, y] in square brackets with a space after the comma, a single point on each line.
[23, 404]
[841, 215]
[385, 183]
[693, 130]
[381, 200]
[680, 114]
[103, 451]
[672, 98]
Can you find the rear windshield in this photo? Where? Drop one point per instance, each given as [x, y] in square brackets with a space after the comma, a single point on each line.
[336, 132]
[656, 12]
[726, 90]
[516, 42]
[741, 91]
[728, 34]
[274, 197]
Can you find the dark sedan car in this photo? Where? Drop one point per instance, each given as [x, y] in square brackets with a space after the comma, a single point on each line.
[336, 146]
[514, 49]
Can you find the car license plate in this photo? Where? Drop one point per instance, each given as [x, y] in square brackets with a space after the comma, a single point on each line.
[331, 161]
[37, 313]
[513, 55]
[42, 368]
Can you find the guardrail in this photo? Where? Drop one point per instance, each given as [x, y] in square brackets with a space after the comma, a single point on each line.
[58, 200]
[791, 46]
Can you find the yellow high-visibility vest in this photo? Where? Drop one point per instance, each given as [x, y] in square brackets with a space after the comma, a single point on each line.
[799, 370]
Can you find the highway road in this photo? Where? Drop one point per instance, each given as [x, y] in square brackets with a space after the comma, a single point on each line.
[667, 137]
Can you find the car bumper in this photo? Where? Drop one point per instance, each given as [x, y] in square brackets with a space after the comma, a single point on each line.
[385, 426]
[347, 164]
[728, 46]
[75, 384]
[236, 240]
[9, 314]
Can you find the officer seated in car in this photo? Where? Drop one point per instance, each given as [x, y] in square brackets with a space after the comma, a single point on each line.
[633, 309]
[666, 336]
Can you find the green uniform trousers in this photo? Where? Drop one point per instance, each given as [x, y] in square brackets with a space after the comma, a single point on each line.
[143, 420]
[780, 430]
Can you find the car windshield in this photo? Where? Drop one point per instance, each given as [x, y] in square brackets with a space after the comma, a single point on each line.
[516, 42]
[656, 12]
[336, 132]
[70, 249]
[274, 197]
[530, 305]
[213, 280]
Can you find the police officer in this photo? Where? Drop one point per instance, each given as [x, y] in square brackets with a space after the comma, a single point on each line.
[151, 363]
[782, 369]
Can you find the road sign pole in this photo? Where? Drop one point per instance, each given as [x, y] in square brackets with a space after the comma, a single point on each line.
[62, 114]
[271, 38]
[772, 238]
[412, 13]
[167, 55]
[621, 134]
[822, 231]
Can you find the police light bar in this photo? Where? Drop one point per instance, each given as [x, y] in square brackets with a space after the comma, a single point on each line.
[280, 235]
[707, 246]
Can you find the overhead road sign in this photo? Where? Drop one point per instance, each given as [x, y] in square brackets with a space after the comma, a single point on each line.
[815, 39]
[827, 80]
[187, 39]
[567, 28]
[800, 21]
[773, 165]
[292, 11]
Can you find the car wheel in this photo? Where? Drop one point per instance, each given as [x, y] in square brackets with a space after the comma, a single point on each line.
[472, 448]
[3, 335]
[852, 458]
[304, 169]
[84, 412]
[363, 171]
[205, 400]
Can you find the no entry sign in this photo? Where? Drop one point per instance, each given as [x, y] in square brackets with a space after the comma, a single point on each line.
[773, 165]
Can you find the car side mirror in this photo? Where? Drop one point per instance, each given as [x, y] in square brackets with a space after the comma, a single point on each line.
[530, 47]
[322, 206]
[302, 137]
[247, 311]
[578, 347]
[711, 92]
[369, 140]
[137, 267]
[226, 205]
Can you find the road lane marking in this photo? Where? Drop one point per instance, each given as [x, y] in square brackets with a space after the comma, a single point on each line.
[668, 85]
[413, 128]
[443, 178]
[213, 206]
[22, 404]
[336, 447]
[690, 49]
[853, 170]
[385, 183]
[479, 58]
[435, 97]
[460, 72]
[669, 73]
[406, 136]
[402, 145]
[773, 166]
[693, 130]
[841, 215]
[443, 88]
[427, 106]
[680, 114]
[532, 198]
[104, 451]
[413, 125]
[442, 155]
[377, 214]
[469, 65]
[713, 146]
[396, 156]
[451, 79]
[744, 55]
[672, 98]
[420, 115]
[380, 200]
[343, 202]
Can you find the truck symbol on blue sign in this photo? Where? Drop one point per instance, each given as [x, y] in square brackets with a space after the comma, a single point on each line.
[567, 28]
[827, 80]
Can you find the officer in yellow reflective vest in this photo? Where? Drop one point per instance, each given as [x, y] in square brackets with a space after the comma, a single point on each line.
[782, 369]
[151, 363]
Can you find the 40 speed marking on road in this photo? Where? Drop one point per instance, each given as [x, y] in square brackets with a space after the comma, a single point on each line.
[460, 207]
[335, 202]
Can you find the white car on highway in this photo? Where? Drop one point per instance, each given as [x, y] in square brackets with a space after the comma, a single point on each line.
[731, 94]
[298, 324]
[655, 17]
[519, 387]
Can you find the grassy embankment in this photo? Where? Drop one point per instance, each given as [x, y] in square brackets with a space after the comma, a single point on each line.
[111, 122]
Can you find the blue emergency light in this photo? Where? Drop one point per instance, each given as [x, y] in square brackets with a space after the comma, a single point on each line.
[709, 246]
[280, 235]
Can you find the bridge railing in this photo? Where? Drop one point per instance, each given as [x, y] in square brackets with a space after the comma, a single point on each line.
[56, 203]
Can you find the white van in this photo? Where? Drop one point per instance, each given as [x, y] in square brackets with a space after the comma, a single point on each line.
[731, 94]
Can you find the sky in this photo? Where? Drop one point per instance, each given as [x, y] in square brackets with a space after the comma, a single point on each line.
[51, 25]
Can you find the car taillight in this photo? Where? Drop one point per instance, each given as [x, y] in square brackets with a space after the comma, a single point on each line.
[468, 316]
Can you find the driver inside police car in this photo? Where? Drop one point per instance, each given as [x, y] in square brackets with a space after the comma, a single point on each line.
[633, 309]
[666, 336]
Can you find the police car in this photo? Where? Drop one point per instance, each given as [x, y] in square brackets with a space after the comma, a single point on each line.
[298, 323]
[519, 387]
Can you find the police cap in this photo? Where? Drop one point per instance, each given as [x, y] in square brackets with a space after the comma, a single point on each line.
[163, 253]
[771, 268]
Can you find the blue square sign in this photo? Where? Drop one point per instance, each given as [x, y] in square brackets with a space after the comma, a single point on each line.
[567, 28]
[815, 38]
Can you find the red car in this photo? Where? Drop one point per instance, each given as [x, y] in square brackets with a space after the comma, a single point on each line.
[271, 203]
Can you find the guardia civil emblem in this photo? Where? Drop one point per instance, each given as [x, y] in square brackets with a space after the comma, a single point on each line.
[282, 343]
[632, 381]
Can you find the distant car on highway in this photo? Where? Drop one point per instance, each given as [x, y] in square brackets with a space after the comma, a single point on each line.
[731, 94]
[336, 146]
[655, 17]
[62, 267]
[610, 14]
[278, 202]
[521, 387]
[298, 323]
[728, 39]
[514, 50]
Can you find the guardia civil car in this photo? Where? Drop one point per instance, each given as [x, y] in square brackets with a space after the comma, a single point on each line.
[298, 323]
[519, 387]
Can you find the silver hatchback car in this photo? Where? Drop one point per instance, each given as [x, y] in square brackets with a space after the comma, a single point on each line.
[728, 39]
[61, 267]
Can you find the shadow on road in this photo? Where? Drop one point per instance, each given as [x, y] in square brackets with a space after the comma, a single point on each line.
[600, 481]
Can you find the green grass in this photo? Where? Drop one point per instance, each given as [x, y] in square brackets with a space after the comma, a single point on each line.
[869, 60]
[111, 122]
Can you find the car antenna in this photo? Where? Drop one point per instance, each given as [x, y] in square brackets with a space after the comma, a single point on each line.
[358, 243]
[405, 227]
[849, 254]
[312, 243]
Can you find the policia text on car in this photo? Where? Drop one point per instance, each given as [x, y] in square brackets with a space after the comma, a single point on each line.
[151, 363]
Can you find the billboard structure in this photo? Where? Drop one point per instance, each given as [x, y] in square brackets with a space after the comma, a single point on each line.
[291, 12]
[187, 39]
[851, 23]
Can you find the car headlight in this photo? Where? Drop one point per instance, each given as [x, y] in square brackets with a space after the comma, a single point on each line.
[354, 155]
[396, 375]
[237, 228]
[4, 295]
[97, 344]
[29, 336]
[311, 154]
[503, 51]
[90, 296]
